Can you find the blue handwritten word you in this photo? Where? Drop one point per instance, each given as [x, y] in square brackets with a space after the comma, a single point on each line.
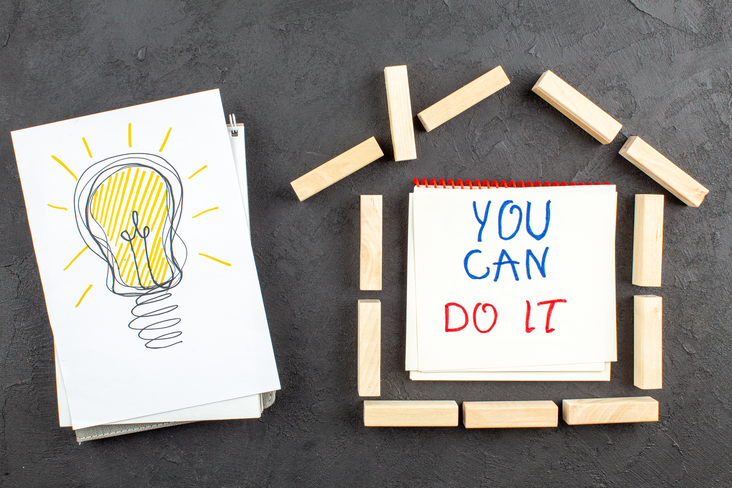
[506, 232]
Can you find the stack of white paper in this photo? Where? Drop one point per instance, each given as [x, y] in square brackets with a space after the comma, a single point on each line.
[511, 283]
[144, 252]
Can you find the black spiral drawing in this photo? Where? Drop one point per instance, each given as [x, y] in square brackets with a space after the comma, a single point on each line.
[152, 312]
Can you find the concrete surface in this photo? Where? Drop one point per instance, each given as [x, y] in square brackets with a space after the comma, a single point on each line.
[306, 78]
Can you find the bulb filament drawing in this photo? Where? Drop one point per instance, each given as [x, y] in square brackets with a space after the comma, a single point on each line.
[127, 210]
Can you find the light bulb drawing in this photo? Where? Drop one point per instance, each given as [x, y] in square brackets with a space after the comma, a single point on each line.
[127, 210]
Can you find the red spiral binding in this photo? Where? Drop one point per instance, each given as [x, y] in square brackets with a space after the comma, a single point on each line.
[477, 184]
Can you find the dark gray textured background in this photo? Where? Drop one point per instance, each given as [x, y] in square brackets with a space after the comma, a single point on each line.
[306, 78]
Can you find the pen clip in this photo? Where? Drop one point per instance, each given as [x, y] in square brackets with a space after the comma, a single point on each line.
[232, 122]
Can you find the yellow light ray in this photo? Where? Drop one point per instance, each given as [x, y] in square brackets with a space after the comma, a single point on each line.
[129, 134]
[65, 167]
[215, 259]
[198, 215]
[88, 151]
[57, 208]
[200, 169]
[82, 296]
[165, 140]
[72, 261]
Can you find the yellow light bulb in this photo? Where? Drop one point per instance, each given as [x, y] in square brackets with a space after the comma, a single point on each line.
[127, 210]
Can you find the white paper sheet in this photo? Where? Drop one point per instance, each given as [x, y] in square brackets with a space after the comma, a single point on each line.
[565, 372]
[247, 407]
[110, 373]
[236, 408]
[579, 266]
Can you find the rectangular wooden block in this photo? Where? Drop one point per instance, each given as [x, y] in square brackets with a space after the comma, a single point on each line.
[477, 415]
[464, 98]
[663, 171]
[400, 113]
[648, 240]
[648, 342]
[410, 413]
[369, 348]
[337, 168]
[578, 108]
[371, 226]
[610, 410]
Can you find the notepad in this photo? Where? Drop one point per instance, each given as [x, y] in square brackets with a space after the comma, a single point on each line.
[237, 408]
[511, 283]
[145, 258]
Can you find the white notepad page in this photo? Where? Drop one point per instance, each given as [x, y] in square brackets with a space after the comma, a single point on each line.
[455, 245]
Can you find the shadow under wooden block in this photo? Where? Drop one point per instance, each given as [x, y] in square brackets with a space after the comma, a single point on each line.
[337, 168]
[371, 242]
[369, 348]
[410, 413]
[578, 108]
[463, 98]
[648, 240]
[610, 410]
[497, 415]
[648, 342]
[663, 171]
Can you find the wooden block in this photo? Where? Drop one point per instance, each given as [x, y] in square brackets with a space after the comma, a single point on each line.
[648, 342]
[337, 168]
[464, 98]
[610, 410]
[648, 240]
[410, 413]
[577, 107]
[666, 173]
[371, 220]
[400, 113]
[544, 413]
[369, 348]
